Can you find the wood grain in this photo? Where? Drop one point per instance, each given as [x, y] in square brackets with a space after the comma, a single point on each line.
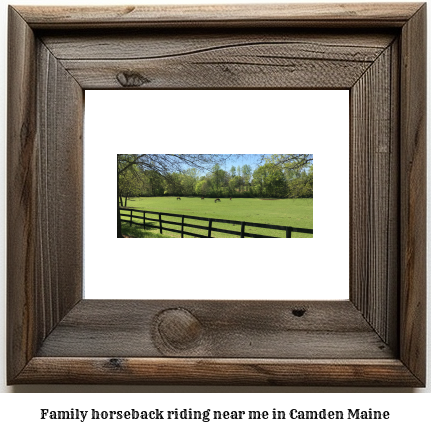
[413, 194]
[58, 274]
[141, 44]
[197, 371]
[242, 329]
[309, 15]
[44, 193]
[21, 195]
[213, 60]
[374, 195]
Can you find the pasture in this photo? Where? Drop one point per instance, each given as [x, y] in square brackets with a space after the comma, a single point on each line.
[297, 213]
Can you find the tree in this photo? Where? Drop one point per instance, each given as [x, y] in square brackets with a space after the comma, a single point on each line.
[302, 185]
[162, 165]
[298, 170]
[189, 180]
[203, 187]
[170, 184]
[293, 161]
[129, 184]
[218, 177]
[235, 184]
[269, 181]
[259, 180]
[246, 174]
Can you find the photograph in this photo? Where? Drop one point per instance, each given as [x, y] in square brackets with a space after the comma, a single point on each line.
[174, 195]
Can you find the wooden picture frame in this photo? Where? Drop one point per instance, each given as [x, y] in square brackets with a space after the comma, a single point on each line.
[376, 338]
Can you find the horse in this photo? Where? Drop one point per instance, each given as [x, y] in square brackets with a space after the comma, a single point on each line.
[178, 198]
[202, 198]
[217, 199]
[230, 198]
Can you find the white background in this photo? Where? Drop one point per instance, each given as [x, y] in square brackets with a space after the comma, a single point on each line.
[22, 410]
[209, 121]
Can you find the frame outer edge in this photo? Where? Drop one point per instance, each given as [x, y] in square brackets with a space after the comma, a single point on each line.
[413, 195]
[198, 371]
[21, 194]
[295, 14]
[21, 172]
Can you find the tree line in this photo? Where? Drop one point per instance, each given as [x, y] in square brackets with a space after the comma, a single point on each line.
[276, 176]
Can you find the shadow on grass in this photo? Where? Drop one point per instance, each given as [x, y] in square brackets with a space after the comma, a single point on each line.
[138, 232]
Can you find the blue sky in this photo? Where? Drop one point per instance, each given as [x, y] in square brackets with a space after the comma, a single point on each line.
[245, 159]
[238, 160]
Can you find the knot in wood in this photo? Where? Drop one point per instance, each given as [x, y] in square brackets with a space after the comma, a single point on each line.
[178, 329]
[131, 79]
[115, 363]
[298, 312]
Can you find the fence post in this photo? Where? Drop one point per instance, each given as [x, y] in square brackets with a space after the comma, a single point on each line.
[210, 224]
[242, 229]
[131, 212]
[182, 227]
[144, 220]
[288, 232]
[160, 221]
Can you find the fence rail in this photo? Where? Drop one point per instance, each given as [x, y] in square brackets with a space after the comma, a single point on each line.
[210, 229]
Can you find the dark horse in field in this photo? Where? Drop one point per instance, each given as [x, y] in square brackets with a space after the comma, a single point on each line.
[178, 198]
[217, 199]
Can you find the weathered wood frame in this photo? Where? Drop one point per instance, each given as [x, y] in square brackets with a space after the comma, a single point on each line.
[376, 338]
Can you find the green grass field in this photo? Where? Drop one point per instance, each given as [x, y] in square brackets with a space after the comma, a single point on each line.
[297, 213]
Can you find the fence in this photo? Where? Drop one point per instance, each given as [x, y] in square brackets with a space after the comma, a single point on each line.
[129, 218]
